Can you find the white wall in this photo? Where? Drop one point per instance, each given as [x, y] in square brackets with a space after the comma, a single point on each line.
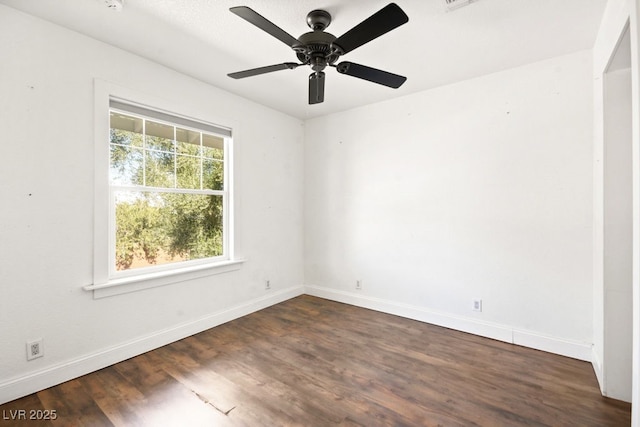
[46, 219]
[480, 189]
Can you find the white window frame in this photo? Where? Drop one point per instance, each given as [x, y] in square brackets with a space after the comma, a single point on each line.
[107, 281]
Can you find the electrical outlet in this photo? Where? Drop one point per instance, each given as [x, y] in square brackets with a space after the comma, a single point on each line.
[267, 284]
[358, 284]
[477, 305]
[35, 349]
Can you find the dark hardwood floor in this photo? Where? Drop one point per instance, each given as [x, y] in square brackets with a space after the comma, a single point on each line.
[313, 362]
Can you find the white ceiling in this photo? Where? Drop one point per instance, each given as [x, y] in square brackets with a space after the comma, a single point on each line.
[201, 38]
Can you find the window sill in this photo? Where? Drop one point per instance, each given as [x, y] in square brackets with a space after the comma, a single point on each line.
[145, 281]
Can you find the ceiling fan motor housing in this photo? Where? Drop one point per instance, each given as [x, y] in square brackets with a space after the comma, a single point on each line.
[315, 49]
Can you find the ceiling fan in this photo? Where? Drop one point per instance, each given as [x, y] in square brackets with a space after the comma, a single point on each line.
[319, 49]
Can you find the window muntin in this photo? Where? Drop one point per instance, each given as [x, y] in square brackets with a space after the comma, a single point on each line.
[169, 194]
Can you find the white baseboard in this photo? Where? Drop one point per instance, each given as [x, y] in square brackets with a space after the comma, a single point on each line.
[56, 374]
[564, 347]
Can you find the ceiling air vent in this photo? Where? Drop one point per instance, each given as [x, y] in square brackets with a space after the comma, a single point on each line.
[454, 4]
[114, 4]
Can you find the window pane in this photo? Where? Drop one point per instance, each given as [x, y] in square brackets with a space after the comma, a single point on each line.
[196, 225]
[188, 142]
[159, 169]
[125, 130]
[188, 172]
[160, 228]
[212, 147]
[159, 136]
[126, 165]
[213, 174]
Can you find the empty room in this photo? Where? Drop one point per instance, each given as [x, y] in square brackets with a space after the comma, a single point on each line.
[278, 213]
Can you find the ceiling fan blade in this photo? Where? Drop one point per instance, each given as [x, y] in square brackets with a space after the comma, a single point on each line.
[263, 70]
[381, 22]
[264, 24]
[371, 74]
[316, 87]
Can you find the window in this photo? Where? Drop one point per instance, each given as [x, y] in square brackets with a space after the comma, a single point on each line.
[168, 191]
[164, 191]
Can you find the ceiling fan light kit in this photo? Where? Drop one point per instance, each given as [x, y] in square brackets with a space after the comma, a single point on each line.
[319, 49]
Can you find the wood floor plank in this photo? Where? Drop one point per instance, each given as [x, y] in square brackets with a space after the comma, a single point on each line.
[167, 400]
[21, 413]
[116, 397]
[209, 386]
[314, 362]
[74, 405]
